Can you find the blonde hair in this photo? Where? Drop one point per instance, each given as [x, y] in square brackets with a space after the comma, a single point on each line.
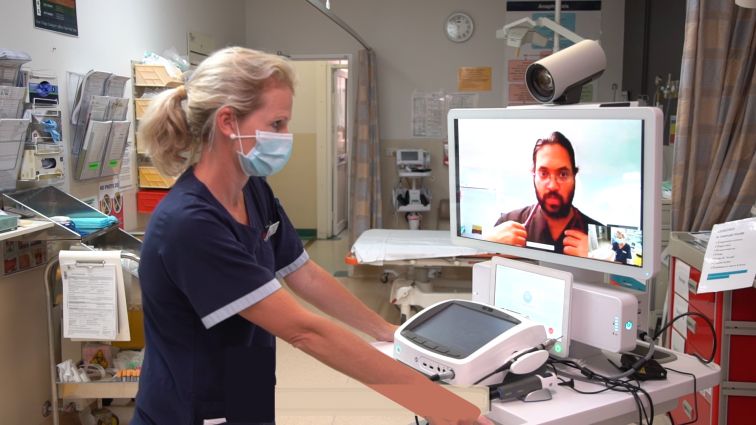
[180, 120]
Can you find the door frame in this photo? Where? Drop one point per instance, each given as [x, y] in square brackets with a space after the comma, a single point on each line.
[325, 164]
[336, 228]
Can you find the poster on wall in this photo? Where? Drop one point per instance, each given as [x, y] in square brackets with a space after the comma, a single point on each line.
[111, 200]
[428, 110]
[582, 17]
[56, 15]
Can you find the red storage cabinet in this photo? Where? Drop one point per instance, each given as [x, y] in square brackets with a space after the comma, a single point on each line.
[147, 200]
[733, 314]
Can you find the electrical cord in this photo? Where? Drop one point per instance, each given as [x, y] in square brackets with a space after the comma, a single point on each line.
[546, 345]
[708, 322]
[610, 383]
[618, 383]
[640, 362]
[695, 399]
[701, 359]
[444, 375]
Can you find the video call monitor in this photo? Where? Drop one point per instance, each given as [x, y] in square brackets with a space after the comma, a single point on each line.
[542, 294]
[574, 186]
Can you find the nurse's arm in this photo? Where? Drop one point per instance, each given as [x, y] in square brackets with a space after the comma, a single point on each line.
[281, 315]
[321, 289]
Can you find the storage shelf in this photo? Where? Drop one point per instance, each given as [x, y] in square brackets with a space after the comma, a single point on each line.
[414, 174]
[413, 208]
[26, 227]
[103, 389]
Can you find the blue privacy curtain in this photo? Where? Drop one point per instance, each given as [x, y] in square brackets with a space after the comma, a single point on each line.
[365, 175]
[714, 165]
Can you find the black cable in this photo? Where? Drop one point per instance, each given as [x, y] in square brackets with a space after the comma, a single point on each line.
[610, 383]
[695, 399]
[417, 421]
[708, 322]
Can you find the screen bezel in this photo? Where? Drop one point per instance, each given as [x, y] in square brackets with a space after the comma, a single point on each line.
[651, 184]
[497, 261]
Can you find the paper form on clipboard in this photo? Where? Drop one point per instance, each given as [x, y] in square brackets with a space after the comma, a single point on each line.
[94, 296]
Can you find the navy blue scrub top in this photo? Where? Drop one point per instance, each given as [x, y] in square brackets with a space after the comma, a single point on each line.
[200, 267]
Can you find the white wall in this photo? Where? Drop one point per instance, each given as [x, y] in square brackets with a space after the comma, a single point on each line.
[111, 34]
[413, 53]
[412, 50]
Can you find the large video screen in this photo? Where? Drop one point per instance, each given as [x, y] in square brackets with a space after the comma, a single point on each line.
[570, 186]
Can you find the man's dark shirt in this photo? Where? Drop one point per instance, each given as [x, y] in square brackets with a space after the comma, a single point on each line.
[538, 228]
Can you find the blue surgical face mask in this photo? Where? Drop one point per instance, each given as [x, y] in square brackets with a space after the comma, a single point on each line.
[269, 155]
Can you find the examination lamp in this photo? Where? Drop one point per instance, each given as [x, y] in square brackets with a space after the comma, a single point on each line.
[557, 78]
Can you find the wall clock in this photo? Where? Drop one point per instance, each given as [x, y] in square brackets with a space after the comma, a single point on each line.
[459, 27]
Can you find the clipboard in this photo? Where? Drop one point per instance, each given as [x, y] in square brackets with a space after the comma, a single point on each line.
[94, 296]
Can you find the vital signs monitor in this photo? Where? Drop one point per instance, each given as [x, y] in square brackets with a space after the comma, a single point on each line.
[464, 340]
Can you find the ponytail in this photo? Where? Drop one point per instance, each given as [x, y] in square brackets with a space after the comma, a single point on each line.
[180, 121]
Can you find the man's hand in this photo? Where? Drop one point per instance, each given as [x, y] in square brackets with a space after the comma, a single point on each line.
[575, 243]
[508, 232]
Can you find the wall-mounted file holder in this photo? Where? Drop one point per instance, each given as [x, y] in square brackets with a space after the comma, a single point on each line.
[102, 152]
[12, 136]
[100, 126]
[11, 101]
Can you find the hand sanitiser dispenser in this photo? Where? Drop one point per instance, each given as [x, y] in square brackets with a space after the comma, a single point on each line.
[464, 341]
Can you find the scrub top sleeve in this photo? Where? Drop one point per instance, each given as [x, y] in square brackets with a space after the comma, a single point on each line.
[289, 251]
[216, 271]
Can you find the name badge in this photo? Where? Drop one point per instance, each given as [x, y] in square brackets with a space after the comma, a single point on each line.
[270, 230]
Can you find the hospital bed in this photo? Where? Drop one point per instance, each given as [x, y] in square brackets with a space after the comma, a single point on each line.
[423, 253]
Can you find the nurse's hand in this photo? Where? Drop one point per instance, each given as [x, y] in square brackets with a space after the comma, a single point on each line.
[387, 333]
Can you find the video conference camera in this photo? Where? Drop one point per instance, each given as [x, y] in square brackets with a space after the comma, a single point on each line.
[559, 78]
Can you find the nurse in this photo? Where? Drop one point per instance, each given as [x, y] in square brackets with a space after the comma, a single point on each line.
[217, 250]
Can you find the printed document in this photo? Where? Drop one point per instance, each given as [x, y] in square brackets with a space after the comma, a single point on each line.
[89, 301]
[94, 296]
[729, 262]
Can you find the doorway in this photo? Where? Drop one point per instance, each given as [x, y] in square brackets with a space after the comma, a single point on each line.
[323, 107]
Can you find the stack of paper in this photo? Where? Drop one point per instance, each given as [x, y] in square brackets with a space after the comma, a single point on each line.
[12, 134]
[94, 297]
[102, 152]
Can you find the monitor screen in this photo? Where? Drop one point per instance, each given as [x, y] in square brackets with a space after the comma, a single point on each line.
[541, 294]
[462, 329]
[577, 186]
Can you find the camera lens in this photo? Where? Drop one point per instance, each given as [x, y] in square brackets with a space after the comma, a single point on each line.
[543, 84]
[540, 82]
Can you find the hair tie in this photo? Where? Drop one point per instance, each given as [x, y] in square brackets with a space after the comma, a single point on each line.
[181, 91]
